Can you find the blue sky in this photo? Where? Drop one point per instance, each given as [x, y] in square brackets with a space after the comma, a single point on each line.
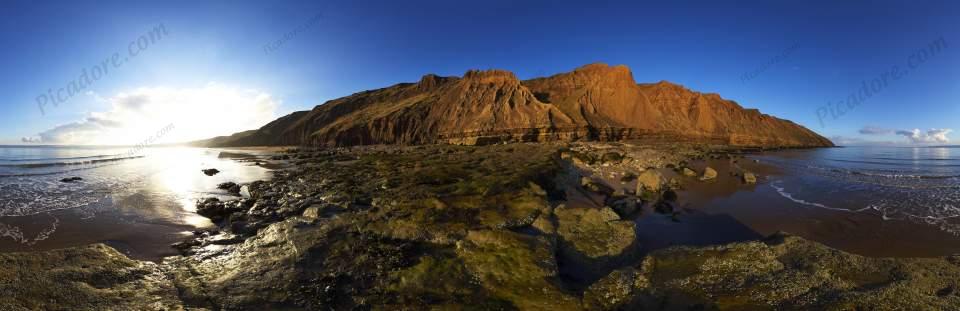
[802, 56]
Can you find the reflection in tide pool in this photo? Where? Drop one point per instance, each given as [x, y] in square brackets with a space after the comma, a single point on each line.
[129, 201]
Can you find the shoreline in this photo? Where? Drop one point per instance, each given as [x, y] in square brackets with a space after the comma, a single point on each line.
[561, 218]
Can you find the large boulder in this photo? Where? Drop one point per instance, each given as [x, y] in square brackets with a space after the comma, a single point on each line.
[515, 268]
[92, 277]
[594, 240]
[619, 290]
[787, 272]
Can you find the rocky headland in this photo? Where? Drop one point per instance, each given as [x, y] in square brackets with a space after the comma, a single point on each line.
[595, 102]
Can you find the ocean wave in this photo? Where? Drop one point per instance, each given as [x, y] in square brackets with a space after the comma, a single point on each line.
[915, 163]
[783, 192]
[57, 159]
[54, 164]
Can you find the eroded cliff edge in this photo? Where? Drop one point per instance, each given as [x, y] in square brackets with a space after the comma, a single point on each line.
[594, 102]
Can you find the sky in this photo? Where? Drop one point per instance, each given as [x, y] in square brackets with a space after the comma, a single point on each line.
[128, 72]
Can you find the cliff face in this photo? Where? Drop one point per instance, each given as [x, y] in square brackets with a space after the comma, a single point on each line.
[594, 102]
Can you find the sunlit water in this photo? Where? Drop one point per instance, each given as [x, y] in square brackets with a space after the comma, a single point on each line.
[124, 196]
[913, 184]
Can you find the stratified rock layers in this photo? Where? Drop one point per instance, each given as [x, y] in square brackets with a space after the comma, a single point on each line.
[594, 102]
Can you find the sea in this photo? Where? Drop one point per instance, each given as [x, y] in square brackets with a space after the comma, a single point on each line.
[872, 201]
[138, 200]
[918, 184]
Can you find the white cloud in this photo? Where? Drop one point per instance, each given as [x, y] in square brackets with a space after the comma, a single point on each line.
[873, 130]
[196, 113]
[930, 136]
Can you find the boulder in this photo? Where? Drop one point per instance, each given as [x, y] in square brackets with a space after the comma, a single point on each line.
[611, 157]
[650, 184]
[210, 171]
[594, 240]
[749, 178]
[71, 179]
[595, 186]
[516, 268]
[688, 172]
[624, 205]
[230, 187]
[709, 174]
[619, 290]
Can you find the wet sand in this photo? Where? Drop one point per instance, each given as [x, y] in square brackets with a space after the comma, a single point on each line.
[136, 239]
[144, 223]
[760, 208]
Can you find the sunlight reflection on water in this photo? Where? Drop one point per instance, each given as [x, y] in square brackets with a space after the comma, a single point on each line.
[157, 190]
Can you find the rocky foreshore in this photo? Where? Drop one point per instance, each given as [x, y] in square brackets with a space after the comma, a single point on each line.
[500, 227]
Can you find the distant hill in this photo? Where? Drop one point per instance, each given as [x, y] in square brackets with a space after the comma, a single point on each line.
[594, 102]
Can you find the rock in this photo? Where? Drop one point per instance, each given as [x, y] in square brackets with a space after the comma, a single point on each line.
[674, 184]
[625, 206]
[516, 268]
[595, 186]
[244, 191]
[224, 239]
[688, 172]
[230, 187]
[185, 245]
[611, 157]
[784, 270]
[749, 178]
[593, 240]
[650, 184]
[322, 210]
[709, 174]
[616, 291]
[211, 171]
[217, 210]
[91, 277]
[664, 207]
[71, 179]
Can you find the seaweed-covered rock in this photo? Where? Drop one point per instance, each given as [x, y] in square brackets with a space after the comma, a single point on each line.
[515, 268]
[93, 277]
[787, 272]
[594, 240]
[616, 291]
